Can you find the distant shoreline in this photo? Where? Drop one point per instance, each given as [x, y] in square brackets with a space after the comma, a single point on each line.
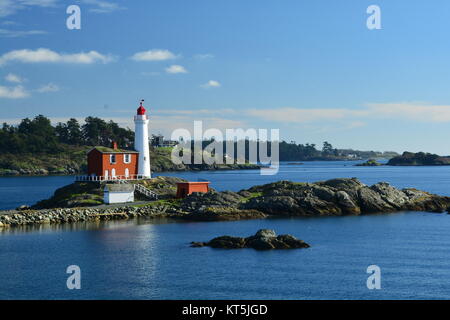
[223, 167]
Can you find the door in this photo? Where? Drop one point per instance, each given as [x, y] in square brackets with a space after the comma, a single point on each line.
[106, 174]
[113, 173]
[127, 173]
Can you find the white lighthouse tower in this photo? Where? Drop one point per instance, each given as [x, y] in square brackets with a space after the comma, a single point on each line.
[141, 143]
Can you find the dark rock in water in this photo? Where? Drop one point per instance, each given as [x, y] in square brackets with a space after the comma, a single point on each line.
[227, 242]
[264, 239]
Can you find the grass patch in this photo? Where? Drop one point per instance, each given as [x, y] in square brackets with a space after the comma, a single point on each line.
[251, 196]
[168, 202]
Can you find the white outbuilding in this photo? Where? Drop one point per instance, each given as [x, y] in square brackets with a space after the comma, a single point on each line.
[118, 193]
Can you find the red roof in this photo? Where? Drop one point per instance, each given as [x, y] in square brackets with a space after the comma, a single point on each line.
[141, 110]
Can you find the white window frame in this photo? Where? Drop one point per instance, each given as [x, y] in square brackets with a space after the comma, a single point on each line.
[111, 156]
[125, 156]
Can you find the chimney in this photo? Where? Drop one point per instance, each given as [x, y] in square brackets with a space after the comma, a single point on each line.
[114, 145]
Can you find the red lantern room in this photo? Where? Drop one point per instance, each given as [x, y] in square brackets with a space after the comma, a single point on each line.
[141, 110]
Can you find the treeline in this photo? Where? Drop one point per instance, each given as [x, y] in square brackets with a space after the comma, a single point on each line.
[291, 151]
[38, 135]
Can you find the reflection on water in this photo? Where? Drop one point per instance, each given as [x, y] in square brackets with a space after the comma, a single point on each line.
[152, 259]
[148, 260]
[76, 226]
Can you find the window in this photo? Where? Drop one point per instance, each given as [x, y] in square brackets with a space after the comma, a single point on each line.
[112, 158]
[126, 158]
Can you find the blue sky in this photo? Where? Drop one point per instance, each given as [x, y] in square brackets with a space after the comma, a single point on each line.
[310, 68]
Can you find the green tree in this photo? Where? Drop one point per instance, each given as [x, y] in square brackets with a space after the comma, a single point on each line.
[75, 136]
[327, 149]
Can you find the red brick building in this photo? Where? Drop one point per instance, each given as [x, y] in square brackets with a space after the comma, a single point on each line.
[109, 163]
[186, 188]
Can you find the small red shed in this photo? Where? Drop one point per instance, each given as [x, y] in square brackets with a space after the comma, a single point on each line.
[108, 163]
[186, 188]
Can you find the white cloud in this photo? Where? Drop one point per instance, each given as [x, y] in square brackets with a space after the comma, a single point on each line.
[166, 124]
[9, 23]
[11, 77]
[150, 73]
[102, 6]
[154, 55]
[49, 56]
[50, 87]
[16, 92]
[176, 69]
[410, 111]
[202, 56]
[211, 84]
[19, 33]
[300, 115]
[9, 7]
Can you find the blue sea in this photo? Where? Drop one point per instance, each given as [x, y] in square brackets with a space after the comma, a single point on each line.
[143, 259]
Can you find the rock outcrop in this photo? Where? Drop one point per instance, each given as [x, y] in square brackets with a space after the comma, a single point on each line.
[264, 239]
[369, 163]
[331, 197]
[336, 197]
[419, 159]
[88, 194]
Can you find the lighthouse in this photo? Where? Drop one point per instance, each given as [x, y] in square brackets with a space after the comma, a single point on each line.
[141, 142]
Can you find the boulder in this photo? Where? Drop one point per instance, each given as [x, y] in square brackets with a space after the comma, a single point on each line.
[371, 201]
[264, 239]
[346, 203]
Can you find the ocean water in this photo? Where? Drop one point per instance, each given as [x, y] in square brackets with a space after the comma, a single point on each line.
[143, 259]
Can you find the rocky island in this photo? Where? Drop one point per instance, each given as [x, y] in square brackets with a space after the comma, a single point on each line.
[335, 197]
[369, 163]
[419, 159]
[264, 239]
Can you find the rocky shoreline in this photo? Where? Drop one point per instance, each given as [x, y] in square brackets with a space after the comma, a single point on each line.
[15, 218]
[336, 197]
[77, 171]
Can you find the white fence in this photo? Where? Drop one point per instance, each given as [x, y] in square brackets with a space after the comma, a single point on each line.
[110, 178]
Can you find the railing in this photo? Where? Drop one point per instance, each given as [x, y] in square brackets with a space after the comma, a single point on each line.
[146, 192]
[110, 178]
[122, 180]
[142, 190]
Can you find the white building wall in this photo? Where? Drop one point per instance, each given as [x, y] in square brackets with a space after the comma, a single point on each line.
[118, 197]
